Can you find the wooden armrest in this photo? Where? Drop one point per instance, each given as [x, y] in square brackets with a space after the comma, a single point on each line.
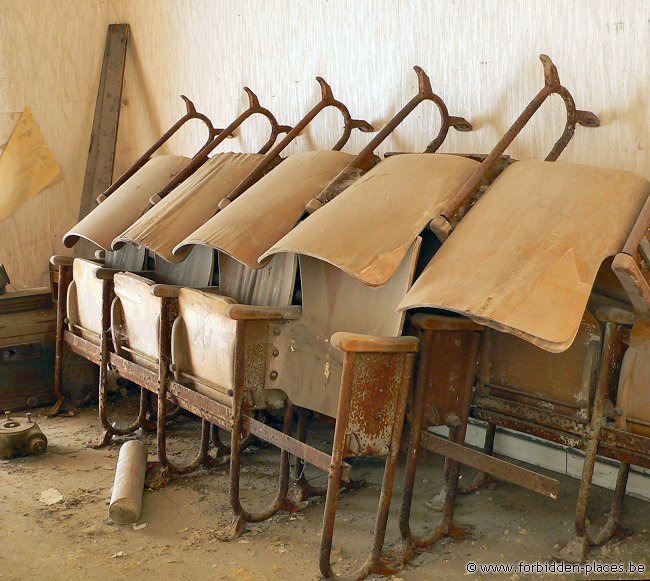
[60, 260]
[617, 315]
[430, 322]
[354, 342]
[106, 273]
[634, 283]
[249, 313]
[441, 227]
[166, 291]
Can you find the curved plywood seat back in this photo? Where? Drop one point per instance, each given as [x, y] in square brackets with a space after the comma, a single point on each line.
[270, 208]
[367, 230]
[84, 301]
[269, 286]
[525, 257]
[309, 368]
[189, 205]
[126, 204]
[195, 271]
[135, 319]
[128, 257]
[559, 382]
[633, 397]
[203, 343]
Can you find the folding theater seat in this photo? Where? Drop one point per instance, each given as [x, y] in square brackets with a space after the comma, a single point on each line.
[284, 356]
[125, 202]
[141, 303]
[245, 357]
[528, 265]
[449, 345]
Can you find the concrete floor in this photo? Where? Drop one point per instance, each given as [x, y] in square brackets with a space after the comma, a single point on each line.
[74, 539]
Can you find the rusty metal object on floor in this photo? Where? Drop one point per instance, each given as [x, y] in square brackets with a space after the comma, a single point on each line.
[20, 436]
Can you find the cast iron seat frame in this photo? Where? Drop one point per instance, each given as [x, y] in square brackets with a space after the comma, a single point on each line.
[449, 351]
[583, 424]
[64, 264]
[364, 350]
[210, 435]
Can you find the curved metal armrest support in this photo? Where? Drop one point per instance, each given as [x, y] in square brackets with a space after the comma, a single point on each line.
[239, 312]
[349, 124]
[59, 260]
[552, 85]
[327, 100]
[201, 157]
[190, 113]
[363, 159]
[430, 322]
[354, 342]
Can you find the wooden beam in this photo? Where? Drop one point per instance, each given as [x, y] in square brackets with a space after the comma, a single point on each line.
[103, 139]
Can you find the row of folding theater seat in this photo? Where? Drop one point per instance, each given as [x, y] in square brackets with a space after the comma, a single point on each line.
[223, 353]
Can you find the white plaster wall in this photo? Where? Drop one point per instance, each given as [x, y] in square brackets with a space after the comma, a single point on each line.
[481, 56]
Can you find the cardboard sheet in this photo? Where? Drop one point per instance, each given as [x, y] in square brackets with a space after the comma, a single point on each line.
[27, 166]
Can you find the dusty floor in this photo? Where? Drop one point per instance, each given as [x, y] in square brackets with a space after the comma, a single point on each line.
[75, 540]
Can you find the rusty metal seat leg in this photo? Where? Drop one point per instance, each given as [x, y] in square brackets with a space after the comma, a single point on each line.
[443, 391]
[109, 430]
[437, 338]
[449, 491]
[393, 414]
[578, 547]
[305, 490]
[481, 480]
[166, 469]
[65, 276]
[281, 501]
